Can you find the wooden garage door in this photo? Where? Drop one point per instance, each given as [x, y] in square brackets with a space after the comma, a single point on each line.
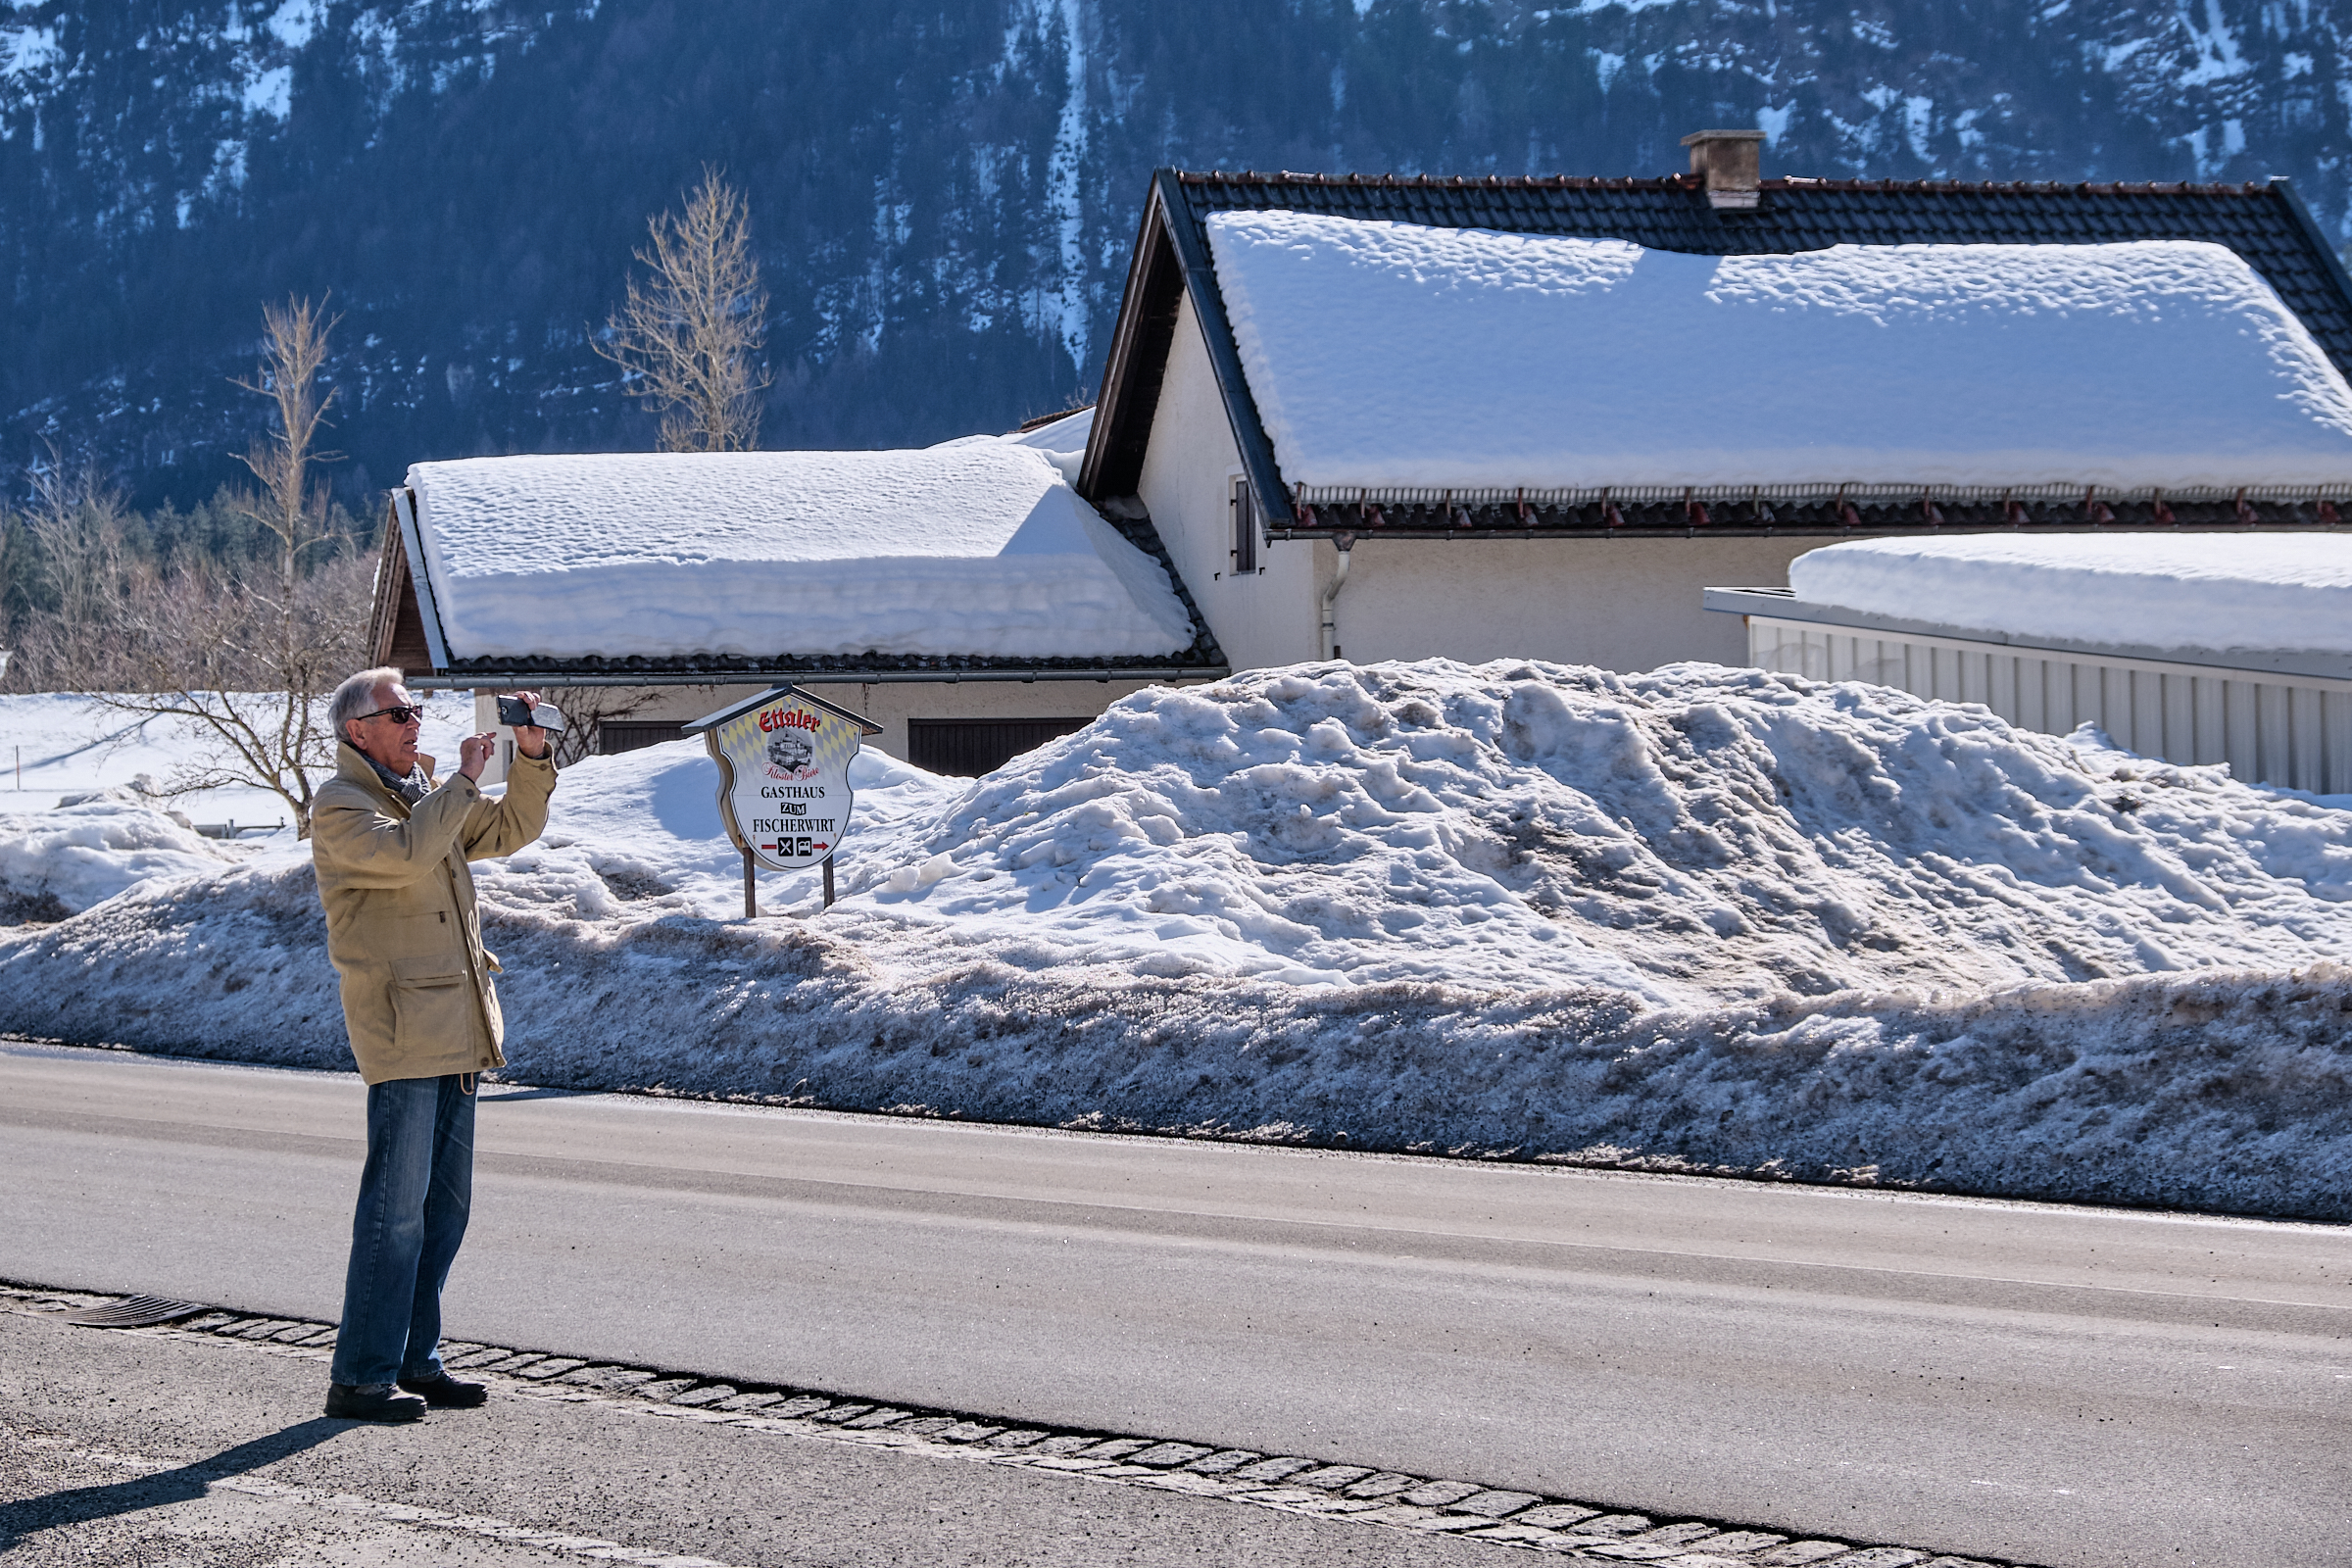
[970, 747]
[617, 735]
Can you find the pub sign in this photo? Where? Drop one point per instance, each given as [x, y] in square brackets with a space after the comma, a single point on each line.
[784, 775]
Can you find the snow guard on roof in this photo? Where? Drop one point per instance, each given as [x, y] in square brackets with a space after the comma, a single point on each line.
[1395, 362]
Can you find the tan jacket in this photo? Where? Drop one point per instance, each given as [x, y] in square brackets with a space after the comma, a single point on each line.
[401, 925]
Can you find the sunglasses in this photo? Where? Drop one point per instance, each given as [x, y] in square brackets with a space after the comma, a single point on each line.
[405, 714]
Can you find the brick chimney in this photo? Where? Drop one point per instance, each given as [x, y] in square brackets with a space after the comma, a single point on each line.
[1728, 160]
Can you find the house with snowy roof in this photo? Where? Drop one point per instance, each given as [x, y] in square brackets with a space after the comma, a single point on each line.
[971, 603]
[1397, 417]
[1385, 417]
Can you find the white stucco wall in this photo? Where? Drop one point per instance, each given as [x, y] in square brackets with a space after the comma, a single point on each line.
[1621, 604]
[1267, 617]
[891, 705]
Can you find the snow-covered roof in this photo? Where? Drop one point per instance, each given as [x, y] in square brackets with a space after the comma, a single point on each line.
[976, 550]
[1065, 432]
[1407, 361]
[2283, 592]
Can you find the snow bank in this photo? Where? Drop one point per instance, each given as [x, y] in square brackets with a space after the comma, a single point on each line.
[62, 861]
[1394, 356]
[1700, 920]
[2209, 592]
[978, 548]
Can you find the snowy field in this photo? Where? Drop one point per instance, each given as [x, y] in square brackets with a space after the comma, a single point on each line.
[1705, 920]
[58, 743]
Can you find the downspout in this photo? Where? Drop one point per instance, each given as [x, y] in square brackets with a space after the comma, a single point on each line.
[1346, 545]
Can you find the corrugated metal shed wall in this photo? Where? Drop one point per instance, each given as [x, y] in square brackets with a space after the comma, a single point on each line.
[2269, 728]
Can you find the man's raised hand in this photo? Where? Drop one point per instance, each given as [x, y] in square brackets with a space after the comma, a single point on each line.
[475, 751]
[529, 738]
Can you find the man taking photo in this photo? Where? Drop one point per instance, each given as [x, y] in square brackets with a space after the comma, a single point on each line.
[391, 845]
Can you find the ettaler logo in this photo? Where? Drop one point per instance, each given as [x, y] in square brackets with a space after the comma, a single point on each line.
[791, 747]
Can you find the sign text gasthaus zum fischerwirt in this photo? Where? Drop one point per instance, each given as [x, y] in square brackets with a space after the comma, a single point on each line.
[784, 779]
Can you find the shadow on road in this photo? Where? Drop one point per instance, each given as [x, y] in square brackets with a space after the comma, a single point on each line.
[82, 1504]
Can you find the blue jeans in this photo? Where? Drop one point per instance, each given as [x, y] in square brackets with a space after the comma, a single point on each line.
[413, 1197]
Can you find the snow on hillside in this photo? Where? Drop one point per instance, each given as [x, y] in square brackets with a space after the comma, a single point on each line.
[2165, 363]
[1704, 918]
[2215, 592]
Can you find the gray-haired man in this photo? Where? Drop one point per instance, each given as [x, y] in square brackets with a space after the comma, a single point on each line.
[390, 844]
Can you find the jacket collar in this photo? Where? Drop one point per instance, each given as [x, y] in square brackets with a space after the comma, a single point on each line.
[352, 764]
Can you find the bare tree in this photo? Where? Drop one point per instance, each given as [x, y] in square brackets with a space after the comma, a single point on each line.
[246, 661]
[293, 358]
[584, 708]
[76, 531]
[687, 341]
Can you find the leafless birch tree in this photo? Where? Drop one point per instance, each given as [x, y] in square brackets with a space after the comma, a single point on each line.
[246, 661]
[687, 339]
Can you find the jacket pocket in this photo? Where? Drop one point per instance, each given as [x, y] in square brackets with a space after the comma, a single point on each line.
[433, 1006]
[411, 939]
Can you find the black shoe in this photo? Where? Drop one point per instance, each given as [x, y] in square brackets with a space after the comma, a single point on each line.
[371, 1402]
[445, 1392]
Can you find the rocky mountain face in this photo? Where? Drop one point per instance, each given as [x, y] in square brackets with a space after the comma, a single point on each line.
[944, 192]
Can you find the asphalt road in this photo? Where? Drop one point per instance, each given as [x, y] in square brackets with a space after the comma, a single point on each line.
[2055, 1384]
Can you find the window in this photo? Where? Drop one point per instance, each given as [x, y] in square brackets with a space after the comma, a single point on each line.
[1247, 524]
[970, 747]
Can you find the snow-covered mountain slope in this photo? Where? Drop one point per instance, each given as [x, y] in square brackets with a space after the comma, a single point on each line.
[944, 201]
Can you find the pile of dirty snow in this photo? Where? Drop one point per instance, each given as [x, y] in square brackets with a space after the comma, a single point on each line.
[2201, 591]
[61, 862]
[1700, 920]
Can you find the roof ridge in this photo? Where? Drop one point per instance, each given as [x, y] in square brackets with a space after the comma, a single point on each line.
[1359, 180]
[1393, 181]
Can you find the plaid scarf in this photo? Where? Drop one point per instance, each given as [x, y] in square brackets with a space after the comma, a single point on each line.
[412, 789]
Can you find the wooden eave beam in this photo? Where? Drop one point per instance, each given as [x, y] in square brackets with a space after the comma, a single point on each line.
[395, 619]
[1171, 262]
[1138, 363]
[391, 583]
